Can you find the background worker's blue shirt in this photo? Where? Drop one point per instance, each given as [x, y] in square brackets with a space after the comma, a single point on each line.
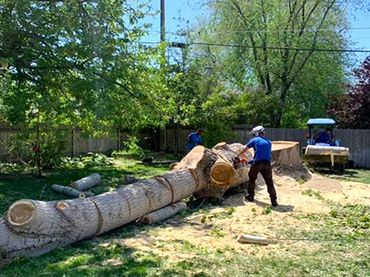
[193, 139]
[324, 137]
[261, 147]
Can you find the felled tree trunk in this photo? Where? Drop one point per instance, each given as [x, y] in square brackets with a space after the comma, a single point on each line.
[31, 227]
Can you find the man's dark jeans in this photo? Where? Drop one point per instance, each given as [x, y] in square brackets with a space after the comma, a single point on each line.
[263, 167]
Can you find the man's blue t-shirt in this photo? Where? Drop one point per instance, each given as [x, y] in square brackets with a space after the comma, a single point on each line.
[193, 139]
[324, 137]
[261, 147]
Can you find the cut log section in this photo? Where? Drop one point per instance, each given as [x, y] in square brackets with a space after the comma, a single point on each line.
[164, 213]
[87, 182]
[244, 238]
[71, 191]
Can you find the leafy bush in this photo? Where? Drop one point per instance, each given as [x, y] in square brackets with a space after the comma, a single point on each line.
[131, 149]
[27, 147]
[13, 168]
[90, 160]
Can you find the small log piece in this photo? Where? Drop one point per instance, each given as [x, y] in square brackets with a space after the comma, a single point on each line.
[164, 213]
[71, 191]
[86, 182]
[244, 238]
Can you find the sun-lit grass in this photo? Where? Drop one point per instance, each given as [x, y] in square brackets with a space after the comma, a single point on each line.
[354, 175]
[15, 187]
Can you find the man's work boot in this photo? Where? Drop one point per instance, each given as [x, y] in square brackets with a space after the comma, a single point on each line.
[274, 202]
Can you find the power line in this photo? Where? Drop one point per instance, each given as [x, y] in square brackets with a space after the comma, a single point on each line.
[270, 47]
[181, 33]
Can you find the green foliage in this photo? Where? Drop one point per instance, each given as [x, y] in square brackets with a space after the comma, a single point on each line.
[131, 149]
[13, 168]
[25, 146]
[78, 64]
[356, 217]
[255, 108]
[89, 161]
[313, 193]
[355, 175]
[267, 210]
[297, 82]
[218, 117]
[217, 231]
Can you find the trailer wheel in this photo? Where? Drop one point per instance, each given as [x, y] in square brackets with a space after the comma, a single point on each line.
[342, 168]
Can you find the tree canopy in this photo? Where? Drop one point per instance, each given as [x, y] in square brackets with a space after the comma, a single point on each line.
[77, 63]
[81, 64]
[279, 49]
[352, 110]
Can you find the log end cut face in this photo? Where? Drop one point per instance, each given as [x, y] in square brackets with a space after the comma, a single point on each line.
[21, 212]
[222, 174]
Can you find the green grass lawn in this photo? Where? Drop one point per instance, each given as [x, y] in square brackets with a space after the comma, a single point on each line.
[13, 187]
[336, 244]
[356, 175]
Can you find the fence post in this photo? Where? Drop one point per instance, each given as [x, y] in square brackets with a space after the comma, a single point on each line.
[118, 139]
[73, 142]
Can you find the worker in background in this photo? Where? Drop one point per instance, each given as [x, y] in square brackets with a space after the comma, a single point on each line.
[194, 139]
[324, 137]
[261, 163]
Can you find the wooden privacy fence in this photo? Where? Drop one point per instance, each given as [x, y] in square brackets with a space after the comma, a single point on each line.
[174, 140]
[357, 140]
[75, 143]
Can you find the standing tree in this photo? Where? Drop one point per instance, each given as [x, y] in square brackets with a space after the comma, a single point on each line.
[76, 63]
[278, 49]
[73, 62]
[352, 110]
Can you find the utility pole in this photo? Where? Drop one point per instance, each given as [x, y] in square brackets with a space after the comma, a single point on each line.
[163, 63]
[163, 21]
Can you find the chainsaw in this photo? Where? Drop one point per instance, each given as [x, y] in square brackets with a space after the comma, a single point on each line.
[242, 160]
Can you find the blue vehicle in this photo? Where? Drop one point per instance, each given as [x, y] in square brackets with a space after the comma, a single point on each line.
[322, 148]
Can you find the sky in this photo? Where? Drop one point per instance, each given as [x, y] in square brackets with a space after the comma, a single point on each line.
[189, 11]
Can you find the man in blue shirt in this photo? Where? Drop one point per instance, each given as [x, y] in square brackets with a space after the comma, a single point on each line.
[324, 137]
[194, 139]
[261, 163]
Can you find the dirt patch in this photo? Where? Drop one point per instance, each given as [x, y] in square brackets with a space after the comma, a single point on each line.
[219, 227]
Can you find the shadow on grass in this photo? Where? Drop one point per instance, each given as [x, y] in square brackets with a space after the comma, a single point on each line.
[87, 258]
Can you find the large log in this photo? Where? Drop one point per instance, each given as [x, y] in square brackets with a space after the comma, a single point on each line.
[31, 227]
